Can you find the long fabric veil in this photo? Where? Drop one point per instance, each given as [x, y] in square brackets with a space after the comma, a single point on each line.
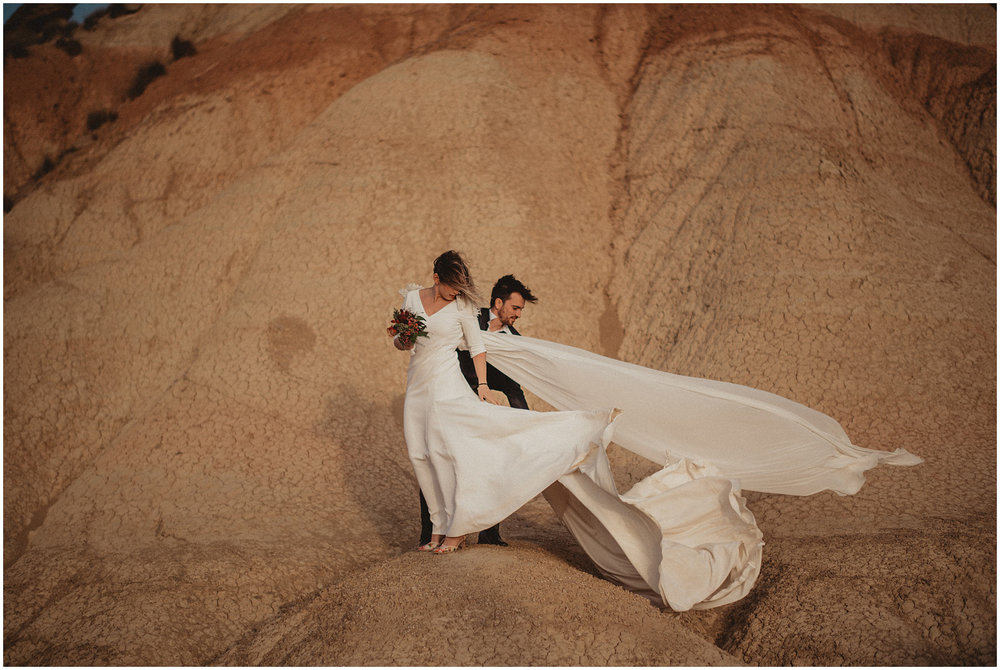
[683, 535]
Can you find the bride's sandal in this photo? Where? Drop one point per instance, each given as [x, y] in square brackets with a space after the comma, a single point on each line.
[432, 545]
[449, 548]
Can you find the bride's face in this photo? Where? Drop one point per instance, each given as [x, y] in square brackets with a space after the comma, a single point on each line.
[446, 292]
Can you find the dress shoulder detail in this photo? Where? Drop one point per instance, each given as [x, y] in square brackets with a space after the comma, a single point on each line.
[409, 287]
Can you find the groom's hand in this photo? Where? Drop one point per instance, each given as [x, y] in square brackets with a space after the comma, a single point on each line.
[495, 325]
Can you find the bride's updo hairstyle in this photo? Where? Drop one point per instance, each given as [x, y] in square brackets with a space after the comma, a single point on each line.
[452, 270]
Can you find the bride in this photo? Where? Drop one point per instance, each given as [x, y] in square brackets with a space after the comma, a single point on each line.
[476, 462]
[682, 536]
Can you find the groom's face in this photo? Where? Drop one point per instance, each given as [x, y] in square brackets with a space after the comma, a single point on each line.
[509, 310]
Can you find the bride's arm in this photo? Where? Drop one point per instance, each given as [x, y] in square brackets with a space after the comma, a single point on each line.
[482, 390]
[474, 340]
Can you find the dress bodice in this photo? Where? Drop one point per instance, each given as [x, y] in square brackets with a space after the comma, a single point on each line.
[454, 326]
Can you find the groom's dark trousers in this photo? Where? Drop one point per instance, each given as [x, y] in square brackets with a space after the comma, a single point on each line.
[497, 381]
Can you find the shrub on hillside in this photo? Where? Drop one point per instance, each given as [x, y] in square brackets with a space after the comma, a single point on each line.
[90, 23]
[112, 11]
[146, 74]
[46, 167]
[16, 50]
[182, 48]
[44, 21]
[99, 117]
[70, 46]
[34, 24]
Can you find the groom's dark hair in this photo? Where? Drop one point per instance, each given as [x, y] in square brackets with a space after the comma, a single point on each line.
[507, 285]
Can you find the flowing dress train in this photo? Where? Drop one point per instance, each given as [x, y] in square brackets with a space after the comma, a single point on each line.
[683, 535]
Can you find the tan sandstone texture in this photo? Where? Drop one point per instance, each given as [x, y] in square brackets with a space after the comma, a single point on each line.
[203, 453]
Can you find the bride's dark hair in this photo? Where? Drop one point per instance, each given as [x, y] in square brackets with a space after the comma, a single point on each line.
[452, 270]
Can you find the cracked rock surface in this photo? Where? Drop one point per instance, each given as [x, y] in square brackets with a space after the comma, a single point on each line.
[203, 450]
[437, 620]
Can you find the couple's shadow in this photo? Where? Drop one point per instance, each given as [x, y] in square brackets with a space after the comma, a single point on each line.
[373, 470]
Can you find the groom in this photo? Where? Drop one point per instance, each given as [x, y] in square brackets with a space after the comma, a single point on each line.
[507, 300]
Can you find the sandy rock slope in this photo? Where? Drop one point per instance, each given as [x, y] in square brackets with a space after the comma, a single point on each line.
[204, 460]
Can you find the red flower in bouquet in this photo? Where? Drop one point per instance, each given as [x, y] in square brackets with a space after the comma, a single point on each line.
[408, 326]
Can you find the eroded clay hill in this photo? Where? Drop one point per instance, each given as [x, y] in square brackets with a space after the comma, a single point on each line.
[203, 454]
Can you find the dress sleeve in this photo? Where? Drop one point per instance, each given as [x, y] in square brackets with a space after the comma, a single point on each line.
[407, 293]
[470, 326]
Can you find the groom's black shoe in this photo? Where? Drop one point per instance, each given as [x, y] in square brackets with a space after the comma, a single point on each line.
[491, 536]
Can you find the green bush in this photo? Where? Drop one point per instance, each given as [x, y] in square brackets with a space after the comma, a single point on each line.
[182, 48]
[146, 74]
[70, 46]
[112, 11]
[98, 118]
[46, 167]
[90, 23]
[45, 21]
[16, 51]
[34, 24]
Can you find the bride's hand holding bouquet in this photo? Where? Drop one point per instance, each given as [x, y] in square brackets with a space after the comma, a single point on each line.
[405, 328]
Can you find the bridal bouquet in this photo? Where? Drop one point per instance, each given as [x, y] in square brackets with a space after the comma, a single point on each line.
[408, 326]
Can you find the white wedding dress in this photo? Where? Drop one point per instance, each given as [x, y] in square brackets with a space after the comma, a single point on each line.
[682, 536]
